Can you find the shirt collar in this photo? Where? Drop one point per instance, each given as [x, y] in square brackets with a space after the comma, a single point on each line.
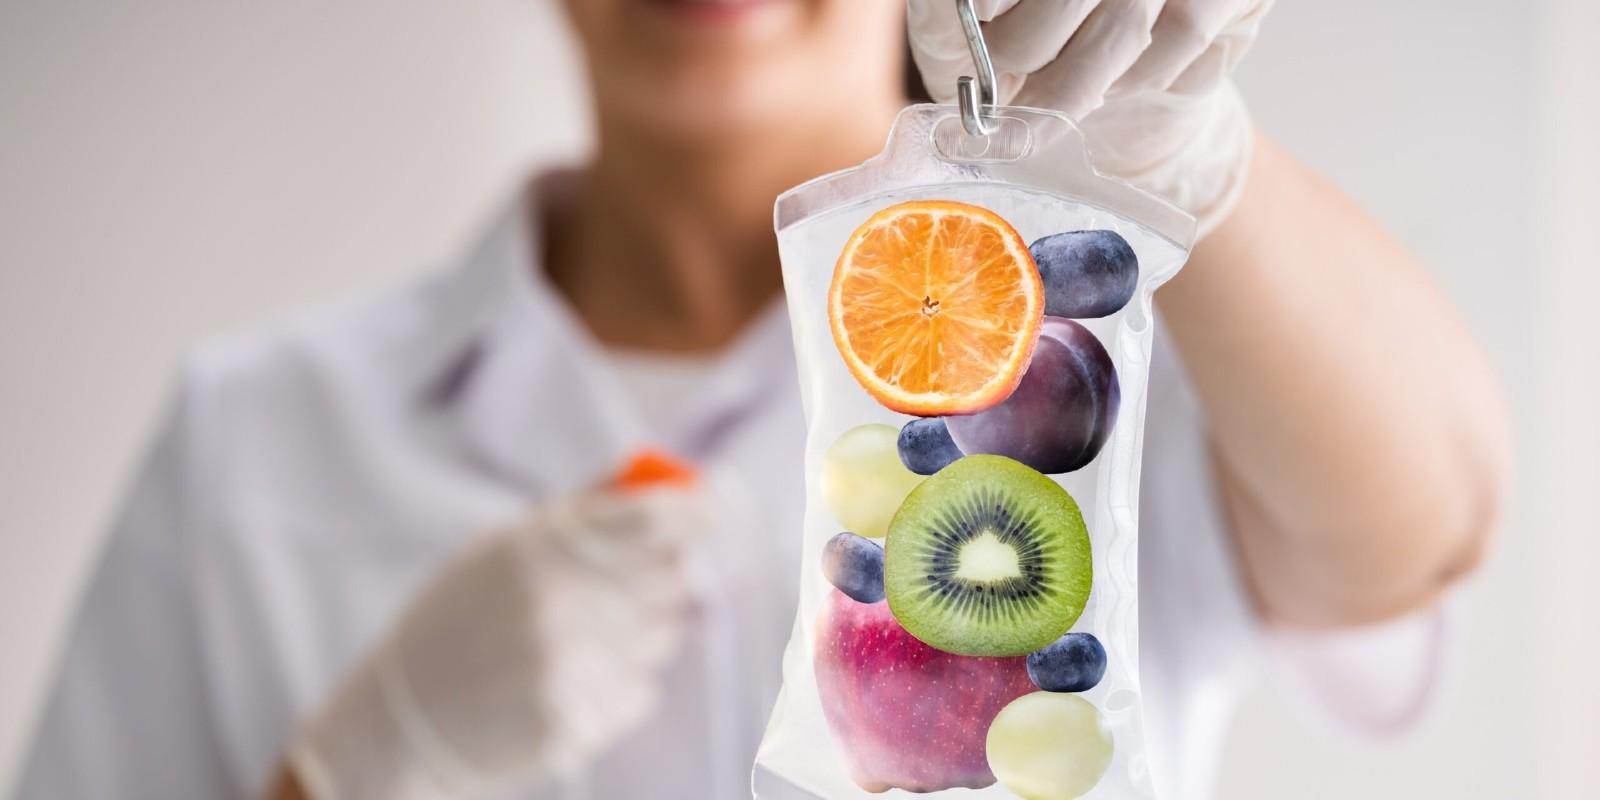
[533, 396]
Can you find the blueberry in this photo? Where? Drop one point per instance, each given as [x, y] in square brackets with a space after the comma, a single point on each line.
[854, 565]
[1074, 663]
[1086, 273]
[926, 446]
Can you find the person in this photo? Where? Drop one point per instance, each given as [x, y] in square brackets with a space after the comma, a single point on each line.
[373, 551]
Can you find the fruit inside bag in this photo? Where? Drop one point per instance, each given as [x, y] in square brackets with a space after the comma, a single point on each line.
[972, 322]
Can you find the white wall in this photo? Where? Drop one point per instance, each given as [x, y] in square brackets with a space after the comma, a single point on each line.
[178, 169]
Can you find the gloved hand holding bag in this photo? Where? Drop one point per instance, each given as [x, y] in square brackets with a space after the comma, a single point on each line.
[1149, 81]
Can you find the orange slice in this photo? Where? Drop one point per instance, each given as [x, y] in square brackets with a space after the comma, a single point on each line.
[936, 306]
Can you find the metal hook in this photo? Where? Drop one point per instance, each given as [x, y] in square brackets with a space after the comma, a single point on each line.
[976, 98]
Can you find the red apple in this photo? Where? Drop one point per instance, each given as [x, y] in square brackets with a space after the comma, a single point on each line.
[908, 716]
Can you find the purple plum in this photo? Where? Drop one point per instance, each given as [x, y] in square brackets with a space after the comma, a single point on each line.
[1060, 414]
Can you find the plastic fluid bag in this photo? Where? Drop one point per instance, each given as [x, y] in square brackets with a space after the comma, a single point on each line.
[929, 307]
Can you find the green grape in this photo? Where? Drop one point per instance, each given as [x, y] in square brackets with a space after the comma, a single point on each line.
[1049, 746]
[863, 481]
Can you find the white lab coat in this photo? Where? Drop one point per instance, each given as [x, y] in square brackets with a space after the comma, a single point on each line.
[309, 476]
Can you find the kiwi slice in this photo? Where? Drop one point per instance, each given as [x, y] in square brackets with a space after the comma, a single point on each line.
[987, 558]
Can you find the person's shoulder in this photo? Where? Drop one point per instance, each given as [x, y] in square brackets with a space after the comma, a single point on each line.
[328, 381]
[383, 342]
[298, 408]
[365, 339]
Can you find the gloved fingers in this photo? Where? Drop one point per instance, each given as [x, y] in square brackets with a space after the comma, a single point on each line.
[938, 46]
[591, 711]
[1101, 51]
[988, 10]
[588, 708]
[671, 514]
[1032, 34]
[662, 514]
[944, 12]
[1207, 72]
[653, 641]
[621, 595]
[650, 571]
[598, 528]
[1185, 35]
[649, 595]
[582, 605]
[1181, 34]
[1213, 67]
[636, 650]
[600, 556]
[637, 645]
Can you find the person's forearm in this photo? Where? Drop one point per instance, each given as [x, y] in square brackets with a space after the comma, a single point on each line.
[1359, 434]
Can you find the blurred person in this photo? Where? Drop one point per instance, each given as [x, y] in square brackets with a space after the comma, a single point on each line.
[374, 551]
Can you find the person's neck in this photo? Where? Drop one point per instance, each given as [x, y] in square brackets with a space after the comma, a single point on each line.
[669, 245]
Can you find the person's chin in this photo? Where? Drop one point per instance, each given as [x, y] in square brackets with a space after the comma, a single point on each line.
[735, 20]
[706, 117]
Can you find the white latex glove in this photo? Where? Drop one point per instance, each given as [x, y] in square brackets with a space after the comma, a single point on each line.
[1148, 81]
[522, 658]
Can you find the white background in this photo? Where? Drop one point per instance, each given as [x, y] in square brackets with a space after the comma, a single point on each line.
[182, 168]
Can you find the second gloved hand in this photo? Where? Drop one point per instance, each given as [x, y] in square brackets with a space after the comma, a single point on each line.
[521, 659]
[1148, 80]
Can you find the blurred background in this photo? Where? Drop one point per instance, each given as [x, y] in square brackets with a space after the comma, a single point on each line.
[170, 169]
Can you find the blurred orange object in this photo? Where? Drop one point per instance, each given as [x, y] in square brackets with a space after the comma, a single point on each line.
[649, 468]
